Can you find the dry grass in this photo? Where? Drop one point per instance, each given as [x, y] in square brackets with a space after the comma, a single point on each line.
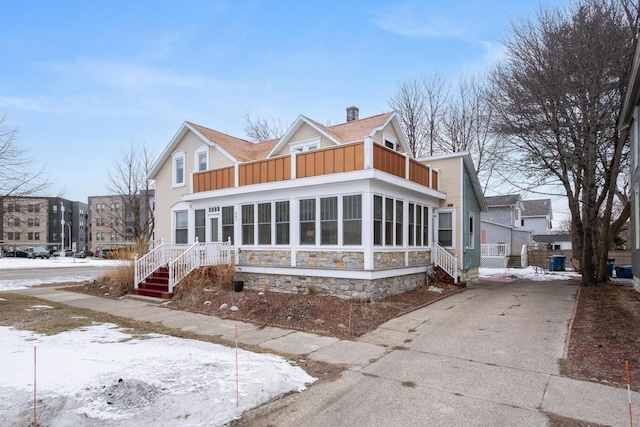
[119, 278]
[192, 287]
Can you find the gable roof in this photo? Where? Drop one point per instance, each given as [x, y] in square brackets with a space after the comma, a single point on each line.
[236, 149]
[540, 207]
[503, 201]
[344, 133]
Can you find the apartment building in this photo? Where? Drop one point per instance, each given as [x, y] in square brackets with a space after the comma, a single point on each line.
[43, 221]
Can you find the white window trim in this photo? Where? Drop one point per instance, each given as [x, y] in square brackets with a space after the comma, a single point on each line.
[436, 237]
[472, 235]
[306, 145]
[202, 149]
[182, 206]
[174, 157]
[387, 137]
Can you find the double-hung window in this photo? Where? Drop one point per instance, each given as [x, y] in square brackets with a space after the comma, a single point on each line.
[248, 219]
[445, 228]
[182, 224]
[352, 220]
[178, 169]
[227, 223]
[308, 222]
[329, 221]
[282, 223]
[200, 225]
[264, 223]
[377, 220]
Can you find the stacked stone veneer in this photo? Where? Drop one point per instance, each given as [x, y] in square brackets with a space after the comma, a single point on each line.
[360, 289]
[275, 258]
[332, 260]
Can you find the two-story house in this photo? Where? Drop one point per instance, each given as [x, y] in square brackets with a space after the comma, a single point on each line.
[345, 208]
[628, 122]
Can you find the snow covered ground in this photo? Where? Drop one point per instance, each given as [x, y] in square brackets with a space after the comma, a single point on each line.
[102, 376]
[51, 263]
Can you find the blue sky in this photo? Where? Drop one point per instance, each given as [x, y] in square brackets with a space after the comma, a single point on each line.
[81, 80]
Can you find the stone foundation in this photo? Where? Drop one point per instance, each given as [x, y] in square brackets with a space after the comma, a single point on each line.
[359, 289]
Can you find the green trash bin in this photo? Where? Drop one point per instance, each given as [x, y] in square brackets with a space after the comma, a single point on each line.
[610, 263]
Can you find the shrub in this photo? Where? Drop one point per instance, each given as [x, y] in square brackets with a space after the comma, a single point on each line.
[212, 277]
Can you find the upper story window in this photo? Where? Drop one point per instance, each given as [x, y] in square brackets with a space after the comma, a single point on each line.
[202, 158]
[178, 169]
[305, 145]
[389, 141]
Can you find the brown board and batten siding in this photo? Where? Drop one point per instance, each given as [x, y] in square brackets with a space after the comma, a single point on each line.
[263, 171]
[338, 159]
[389, 161]
[213, 180]
[419, 173]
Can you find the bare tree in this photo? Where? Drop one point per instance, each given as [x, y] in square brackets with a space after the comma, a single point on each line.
[129, 179]
[466, 126]
[556, 98]
[263, 129]
[17, 177]
[419, 103]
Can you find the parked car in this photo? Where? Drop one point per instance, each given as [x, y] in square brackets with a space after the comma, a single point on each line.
[67, 252]
[16, 253]
[37, 252]
[107, 253]
[84, 254]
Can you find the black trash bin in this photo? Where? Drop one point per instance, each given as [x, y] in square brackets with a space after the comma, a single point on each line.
[610, 263]
[238, 285]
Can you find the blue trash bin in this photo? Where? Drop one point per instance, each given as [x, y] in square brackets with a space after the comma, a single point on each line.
[610, 264]
[557, 262]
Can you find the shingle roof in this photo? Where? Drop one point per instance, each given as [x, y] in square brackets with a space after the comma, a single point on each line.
[356, 130]
[241, 149]
[244, 150]
[499, 201]
[541, 207]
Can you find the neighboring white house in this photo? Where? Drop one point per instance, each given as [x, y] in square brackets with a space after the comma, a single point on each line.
[537, 216]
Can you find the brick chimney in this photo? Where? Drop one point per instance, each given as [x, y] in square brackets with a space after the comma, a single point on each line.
[352, 113]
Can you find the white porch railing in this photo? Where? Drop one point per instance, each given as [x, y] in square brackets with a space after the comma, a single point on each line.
[181, 259]
[184, 264]
[446, 261]
[197, 255]
[158, 257]
[495, 249]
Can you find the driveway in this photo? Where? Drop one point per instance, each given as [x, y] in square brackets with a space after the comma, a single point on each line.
[484, 357]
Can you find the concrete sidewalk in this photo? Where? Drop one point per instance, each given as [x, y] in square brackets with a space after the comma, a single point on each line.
[486, 356]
